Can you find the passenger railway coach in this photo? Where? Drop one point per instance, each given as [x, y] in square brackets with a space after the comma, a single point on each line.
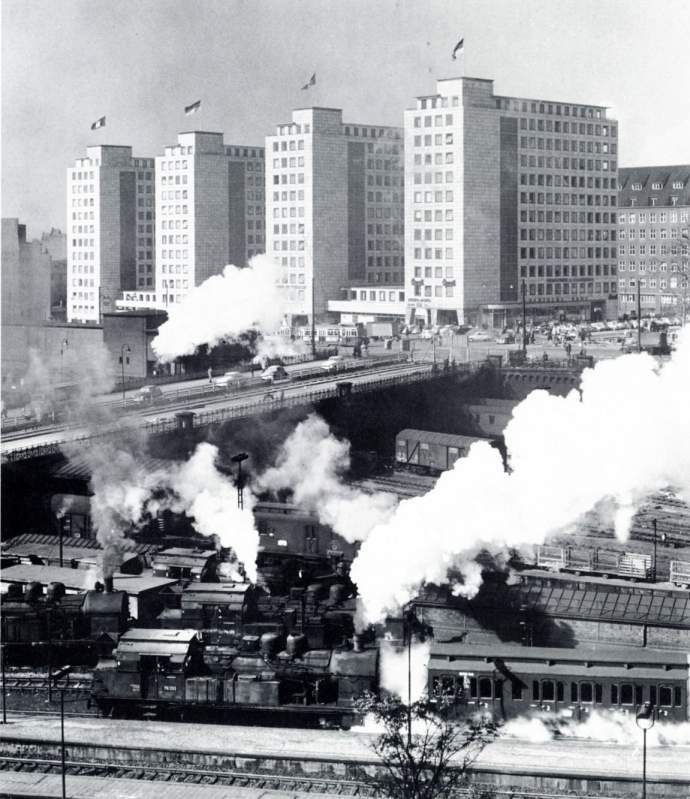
[509, 681]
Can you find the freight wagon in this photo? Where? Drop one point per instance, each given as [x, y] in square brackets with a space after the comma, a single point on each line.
[608, 563]
[679, 573]
[431, 452]
[506, 681]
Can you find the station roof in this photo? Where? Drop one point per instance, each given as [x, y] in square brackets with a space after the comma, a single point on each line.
[141, 583]
[32, 543]
[566, 596]
[233, 595]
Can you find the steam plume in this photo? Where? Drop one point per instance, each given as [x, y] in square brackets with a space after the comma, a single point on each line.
[394, 672]
[311, 463]
[210, 499]
[223, 307]
[624, 438]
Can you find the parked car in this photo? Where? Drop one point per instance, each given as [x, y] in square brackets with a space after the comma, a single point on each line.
[148, 395]
[333, 363]
[275, 374]
[479, 335]
[506, 338]
[231, 379]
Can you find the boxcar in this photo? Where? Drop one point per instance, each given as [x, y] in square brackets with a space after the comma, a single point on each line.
[429, 451]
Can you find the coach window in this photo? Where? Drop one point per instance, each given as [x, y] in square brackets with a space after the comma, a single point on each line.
[614, 695]
[665, 695]
[573, 692]
[473, 687]
[586, 693]
[485, 688]
[652, 694]
[638, 694]
[560, 692]
[535, 690]
[678, 696]
[547, 691]
[517, 687]
[626, 694]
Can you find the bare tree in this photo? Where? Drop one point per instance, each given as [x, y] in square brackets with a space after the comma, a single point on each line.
[431, 763]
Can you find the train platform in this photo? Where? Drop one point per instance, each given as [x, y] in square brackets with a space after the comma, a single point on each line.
[45, 786]
[560, 757]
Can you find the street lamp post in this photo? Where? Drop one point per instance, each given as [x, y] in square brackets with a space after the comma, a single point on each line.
[239, 459]
[125, 348]
[645, 721]
[64, 672]
[63, 346]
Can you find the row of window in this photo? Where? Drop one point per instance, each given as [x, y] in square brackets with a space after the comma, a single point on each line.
[642, 266]
[588, 270]
[658, 185]
[566, 252]
[641, 218]
[556, 126]
[663, 233]
[565, 198]
[649, 299]
[438, 291]
[387, 260]
[285, 163]
[556, 234]
[652, 283]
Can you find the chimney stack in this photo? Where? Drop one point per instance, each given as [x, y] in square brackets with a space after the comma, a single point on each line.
[108, 584]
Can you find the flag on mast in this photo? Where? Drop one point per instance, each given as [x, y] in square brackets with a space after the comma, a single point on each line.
[99, 123]
[193, 108]
[310, 82]
[459, 47]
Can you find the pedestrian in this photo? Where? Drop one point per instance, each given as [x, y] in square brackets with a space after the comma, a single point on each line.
[210, 375]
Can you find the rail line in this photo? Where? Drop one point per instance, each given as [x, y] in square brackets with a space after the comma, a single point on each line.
[151, 773]
[225, 777]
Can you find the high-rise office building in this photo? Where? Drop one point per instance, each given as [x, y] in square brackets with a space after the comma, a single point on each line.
[334, 206]
[653, 246]
[110, 229]
[506, 192]
[209, 211]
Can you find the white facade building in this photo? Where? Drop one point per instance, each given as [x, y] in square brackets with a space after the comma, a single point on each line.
[210, 211]
[110, 229]
[334, 206]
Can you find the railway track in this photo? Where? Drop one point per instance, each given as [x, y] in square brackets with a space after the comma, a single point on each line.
[193, 776]
[151, 773]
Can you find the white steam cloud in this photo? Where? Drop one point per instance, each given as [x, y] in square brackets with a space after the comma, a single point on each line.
[625, 437]
[223, 307]
[279, 347]
[201, 492]
[311, 463]
[608, 726]
[394, 669]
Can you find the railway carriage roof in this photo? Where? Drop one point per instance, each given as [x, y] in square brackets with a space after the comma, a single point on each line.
[544, 669]
[447, 439]
[596, 654]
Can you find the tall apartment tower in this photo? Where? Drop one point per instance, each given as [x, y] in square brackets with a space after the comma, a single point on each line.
[210, 211]
[110, 228]
[654, 240]
[505, 194]
[334, 206]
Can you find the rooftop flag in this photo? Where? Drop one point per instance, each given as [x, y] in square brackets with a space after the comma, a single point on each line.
[458, 49]
[311, 82]
[99, 123]
[193, 108]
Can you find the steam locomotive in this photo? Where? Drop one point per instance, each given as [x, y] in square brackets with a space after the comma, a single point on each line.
[269, 679]
[57, 627]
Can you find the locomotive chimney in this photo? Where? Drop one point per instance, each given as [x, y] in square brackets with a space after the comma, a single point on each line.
[108, 583]
[357, 642]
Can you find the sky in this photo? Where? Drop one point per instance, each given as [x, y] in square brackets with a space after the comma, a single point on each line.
[139, 62]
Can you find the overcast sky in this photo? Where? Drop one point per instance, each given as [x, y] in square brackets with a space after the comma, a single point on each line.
[139, 62]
